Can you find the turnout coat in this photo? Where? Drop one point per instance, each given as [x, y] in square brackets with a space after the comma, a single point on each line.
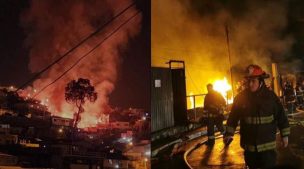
[260, 114]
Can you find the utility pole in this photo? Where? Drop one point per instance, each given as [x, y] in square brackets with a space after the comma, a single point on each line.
[229, 57]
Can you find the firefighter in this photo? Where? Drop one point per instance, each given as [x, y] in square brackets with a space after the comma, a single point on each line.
[260, 112]
[213, 104]
[289, 97]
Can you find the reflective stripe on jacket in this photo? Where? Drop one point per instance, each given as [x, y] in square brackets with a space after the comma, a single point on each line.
[259, 115]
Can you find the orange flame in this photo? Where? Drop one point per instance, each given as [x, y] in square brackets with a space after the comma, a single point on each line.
[223, 87]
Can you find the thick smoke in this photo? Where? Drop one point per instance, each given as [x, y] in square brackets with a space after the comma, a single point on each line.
[54, 26]
[194, 31]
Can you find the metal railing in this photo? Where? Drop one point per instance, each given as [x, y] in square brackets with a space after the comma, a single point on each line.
[195, 107]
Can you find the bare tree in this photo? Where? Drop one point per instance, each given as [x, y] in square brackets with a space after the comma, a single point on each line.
[77, 93]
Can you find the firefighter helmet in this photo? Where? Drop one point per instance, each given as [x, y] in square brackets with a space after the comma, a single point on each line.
[254, 71]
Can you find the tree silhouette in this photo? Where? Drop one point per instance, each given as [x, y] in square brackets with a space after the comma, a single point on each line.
[77, 93]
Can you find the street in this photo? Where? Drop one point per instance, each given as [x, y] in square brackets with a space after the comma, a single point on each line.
[232, 157]
[218, 157]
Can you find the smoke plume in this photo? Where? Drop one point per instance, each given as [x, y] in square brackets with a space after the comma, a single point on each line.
[194, 31]
[54, 26]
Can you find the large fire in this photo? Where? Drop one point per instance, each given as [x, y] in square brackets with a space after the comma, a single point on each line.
[46, 40]
[220, 85]
[67, 110]
[223, 87]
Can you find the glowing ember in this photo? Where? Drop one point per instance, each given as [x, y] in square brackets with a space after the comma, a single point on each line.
[223, 87]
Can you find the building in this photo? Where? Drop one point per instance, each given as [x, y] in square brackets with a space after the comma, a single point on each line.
[13, 104]
[61, 121]
[120, 125]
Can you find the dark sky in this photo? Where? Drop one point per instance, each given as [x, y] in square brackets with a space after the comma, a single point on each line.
[132, 88]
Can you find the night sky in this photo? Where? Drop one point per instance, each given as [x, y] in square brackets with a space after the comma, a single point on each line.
[132, 87]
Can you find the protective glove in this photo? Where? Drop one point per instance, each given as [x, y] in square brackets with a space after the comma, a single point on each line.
[285, 141]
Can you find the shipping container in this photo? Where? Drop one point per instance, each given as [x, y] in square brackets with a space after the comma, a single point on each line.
[168, 97]
[161, 99]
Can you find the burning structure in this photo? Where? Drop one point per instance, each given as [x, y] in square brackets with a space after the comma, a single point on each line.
[47, 38]
[31, 128]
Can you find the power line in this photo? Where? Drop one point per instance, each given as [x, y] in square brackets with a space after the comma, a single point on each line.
[76, 46]
[229, 57]
[89, 52]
